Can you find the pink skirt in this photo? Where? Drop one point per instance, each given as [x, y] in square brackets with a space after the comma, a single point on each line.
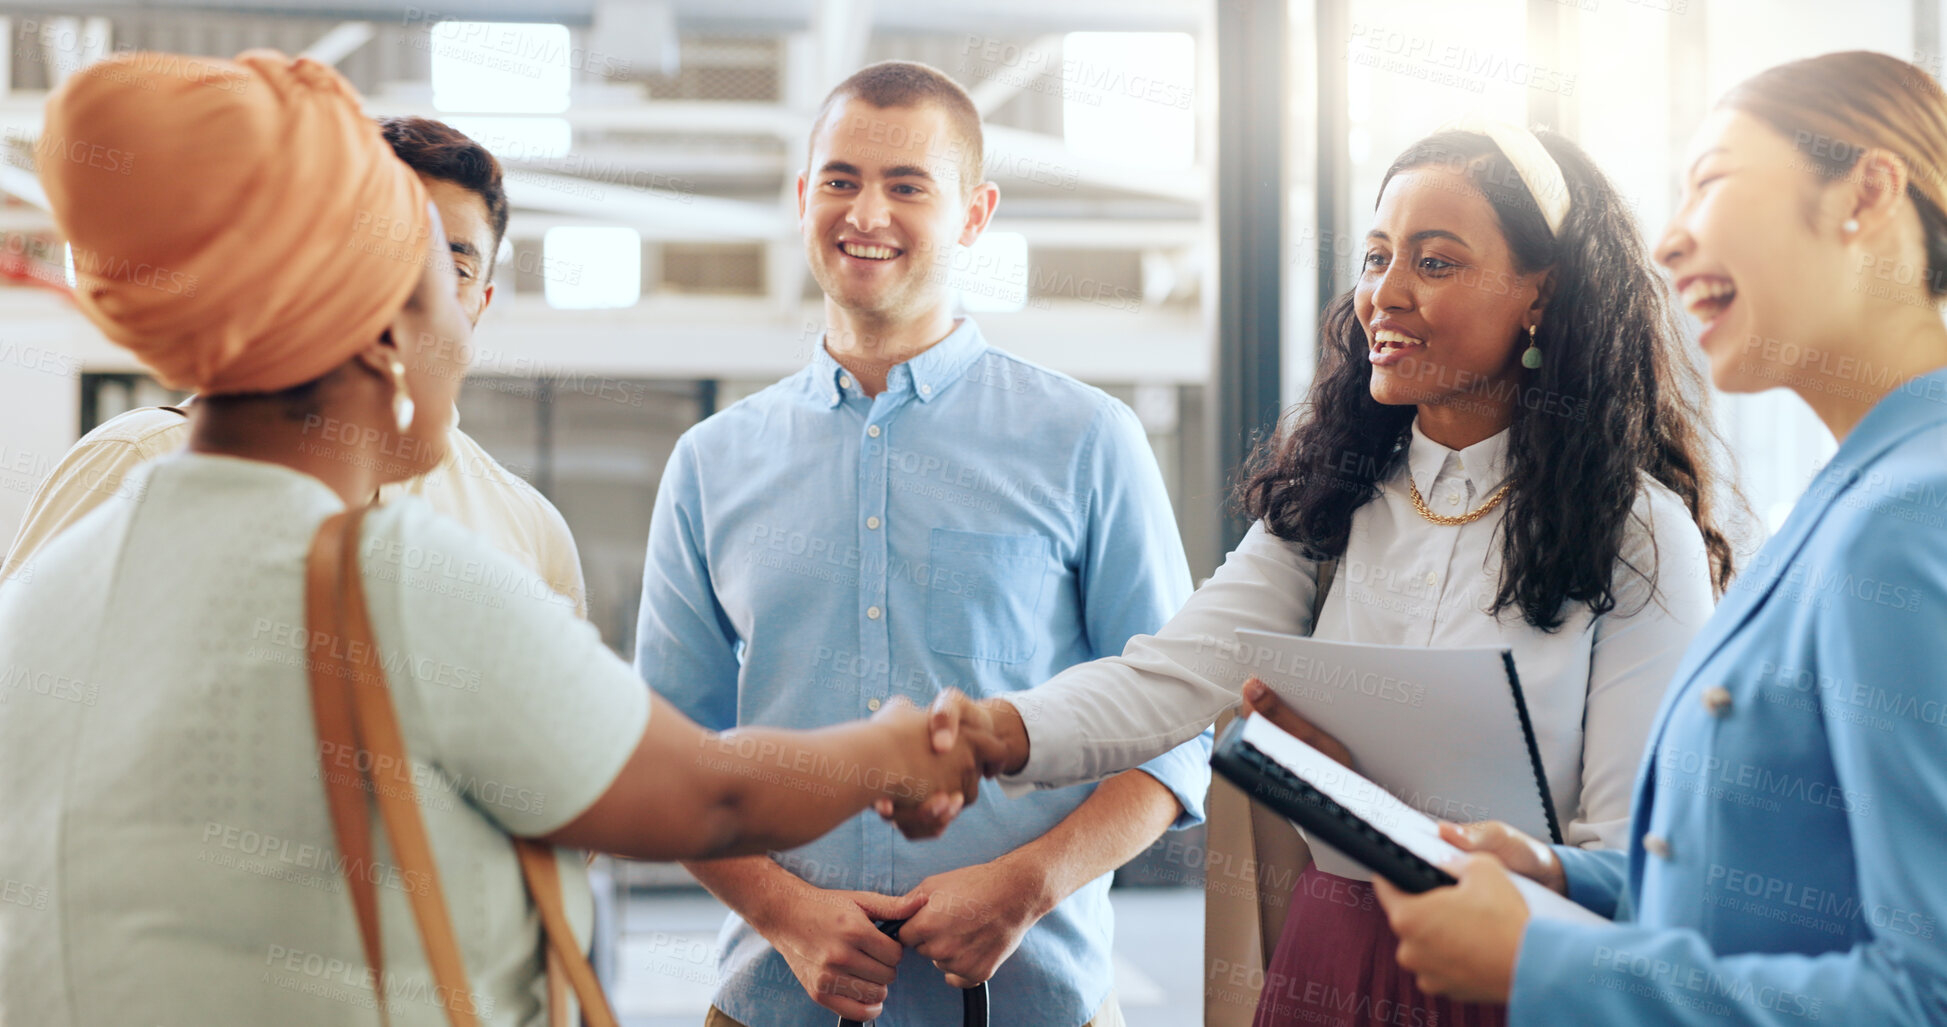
[1334, 966]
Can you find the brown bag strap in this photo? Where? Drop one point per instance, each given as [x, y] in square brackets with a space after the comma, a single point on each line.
[363, 719]
[565, 958]
[339, 752]
[391, 776]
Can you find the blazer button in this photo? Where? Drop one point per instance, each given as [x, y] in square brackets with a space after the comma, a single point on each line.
[1655, 845]
[1717, 699]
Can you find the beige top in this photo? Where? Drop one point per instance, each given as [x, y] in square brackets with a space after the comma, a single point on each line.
[167, 852]
[468, 486]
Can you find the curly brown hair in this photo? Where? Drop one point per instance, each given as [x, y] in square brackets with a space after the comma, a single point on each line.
[1620, 398]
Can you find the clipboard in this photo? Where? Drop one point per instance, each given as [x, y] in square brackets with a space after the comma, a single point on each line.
[1355, 815]
[1445, 729]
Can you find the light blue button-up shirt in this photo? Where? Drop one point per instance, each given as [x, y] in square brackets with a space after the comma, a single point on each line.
[983, 524]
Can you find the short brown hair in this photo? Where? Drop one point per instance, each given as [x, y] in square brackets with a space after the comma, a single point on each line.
[436, 149]
[912, 84]
[1834, 107]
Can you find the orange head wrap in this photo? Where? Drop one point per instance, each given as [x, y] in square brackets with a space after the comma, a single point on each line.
[239, 225]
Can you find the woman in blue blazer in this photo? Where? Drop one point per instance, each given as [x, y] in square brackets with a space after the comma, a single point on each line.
[1788, 853]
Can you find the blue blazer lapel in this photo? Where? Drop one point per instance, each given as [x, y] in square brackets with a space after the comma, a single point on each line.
[1901, 413]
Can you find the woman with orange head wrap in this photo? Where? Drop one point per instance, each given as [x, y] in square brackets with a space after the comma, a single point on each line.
[200, 711]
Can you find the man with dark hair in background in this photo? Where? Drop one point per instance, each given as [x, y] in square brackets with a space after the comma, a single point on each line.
[464, 182]
[912, 510]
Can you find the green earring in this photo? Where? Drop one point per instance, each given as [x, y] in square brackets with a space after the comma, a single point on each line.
[1531, 357]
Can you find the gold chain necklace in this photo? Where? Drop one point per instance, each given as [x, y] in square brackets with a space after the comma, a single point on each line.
[1469, 517]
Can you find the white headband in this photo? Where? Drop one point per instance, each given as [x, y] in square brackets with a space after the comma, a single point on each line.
[1531, 161]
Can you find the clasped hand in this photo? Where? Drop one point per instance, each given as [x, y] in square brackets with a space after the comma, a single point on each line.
[970, 740]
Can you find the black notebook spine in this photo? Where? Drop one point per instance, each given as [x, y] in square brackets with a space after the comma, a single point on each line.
[1534, 749]
[1269, 782]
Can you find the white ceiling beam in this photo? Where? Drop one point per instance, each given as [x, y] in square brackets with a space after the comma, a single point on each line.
[70, 44]
[990, 93]
[841, 28]
[656, 213]
[23, 184]
[6, 56]
[338, 44]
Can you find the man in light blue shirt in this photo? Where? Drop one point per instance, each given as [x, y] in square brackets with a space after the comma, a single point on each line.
[914, 510]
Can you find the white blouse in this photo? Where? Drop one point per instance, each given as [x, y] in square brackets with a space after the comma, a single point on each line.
[1592, 686]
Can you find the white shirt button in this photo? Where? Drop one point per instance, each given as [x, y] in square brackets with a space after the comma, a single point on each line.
[872, 430]
[1717, 699]
[1453, 499]
[1655, 845]
[834, 397]
[872, 523]
[844, 382]
[926, 390]
[872, 613]
[872, 704]
[1432, 578]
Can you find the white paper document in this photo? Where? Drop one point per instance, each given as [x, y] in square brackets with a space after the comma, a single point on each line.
[1413, 830]
[1437, 728]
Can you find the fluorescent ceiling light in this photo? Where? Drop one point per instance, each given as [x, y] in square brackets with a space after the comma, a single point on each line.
[591, 268]
[502, 67]
[1130, 97]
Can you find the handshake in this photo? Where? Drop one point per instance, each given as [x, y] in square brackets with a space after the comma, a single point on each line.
[947, 749]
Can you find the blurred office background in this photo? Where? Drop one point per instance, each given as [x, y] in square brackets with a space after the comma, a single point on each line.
[1183, 183]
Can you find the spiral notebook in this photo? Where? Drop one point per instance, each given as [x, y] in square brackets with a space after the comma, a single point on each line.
[1356, 816]
[1444, 730]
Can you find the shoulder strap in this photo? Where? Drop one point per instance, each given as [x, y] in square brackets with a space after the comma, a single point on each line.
[339, 766]
[352, 701]
[391, 776]
[565, 958]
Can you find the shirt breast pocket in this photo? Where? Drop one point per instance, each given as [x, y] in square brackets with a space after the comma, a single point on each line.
[984, 593]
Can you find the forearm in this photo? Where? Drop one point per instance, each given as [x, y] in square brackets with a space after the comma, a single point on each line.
[686, 793]
[780, 789]
[754, 887]
[1124, 816]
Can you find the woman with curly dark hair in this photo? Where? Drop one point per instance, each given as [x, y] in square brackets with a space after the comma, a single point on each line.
[1506, 445]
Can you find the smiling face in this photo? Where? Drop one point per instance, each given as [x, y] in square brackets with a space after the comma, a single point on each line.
[1444, 307]
[1752, 250]
[883, 207]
